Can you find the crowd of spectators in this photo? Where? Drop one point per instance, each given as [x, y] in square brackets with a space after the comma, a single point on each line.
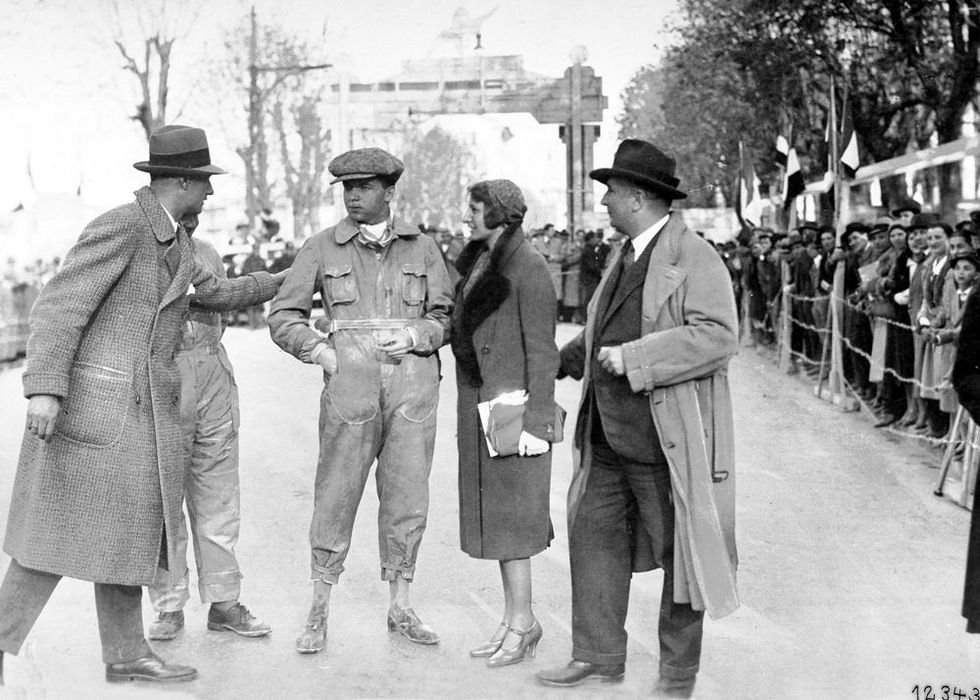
[19, 285]
[272, 258]
[906, 278]
[575, 262]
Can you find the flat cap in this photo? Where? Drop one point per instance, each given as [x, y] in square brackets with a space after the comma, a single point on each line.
[362, 163]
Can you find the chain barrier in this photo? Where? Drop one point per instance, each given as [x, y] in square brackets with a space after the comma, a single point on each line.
[823, 332]
[850, 345]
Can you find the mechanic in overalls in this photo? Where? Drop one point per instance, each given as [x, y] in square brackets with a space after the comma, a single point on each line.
[386, 299]
[209, 421]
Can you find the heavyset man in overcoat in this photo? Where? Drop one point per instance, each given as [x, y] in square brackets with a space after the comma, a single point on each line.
[100, 479]
[654, 464]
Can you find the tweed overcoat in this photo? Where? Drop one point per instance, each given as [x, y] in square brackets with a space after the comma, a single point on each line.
[101, 498]
[689, 331]
[504, 501]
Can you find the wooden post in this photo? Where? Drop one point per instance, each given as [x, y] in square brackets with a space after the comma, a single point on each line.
[784, 349]
[575, 148]
[950, 452]
[836, 384]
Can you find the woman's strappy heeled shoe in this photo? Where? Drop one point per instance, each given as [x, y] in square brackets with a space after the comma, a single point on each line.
[527, 647]
[489, 648]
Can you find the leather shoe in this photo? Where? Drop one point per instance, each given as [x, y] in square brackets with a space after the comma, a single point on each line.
[149, 668]
[674, 687]
[577, 672]
[166, 626]
[886, 420]
[407, 623]
[237, 619]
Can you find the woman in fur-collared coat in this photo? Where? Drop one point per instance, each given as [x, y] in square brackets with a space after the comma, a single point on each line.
[503, 331]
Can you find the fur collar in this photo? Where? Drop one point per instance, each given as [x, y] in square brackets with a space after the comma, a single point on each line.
[486, 294]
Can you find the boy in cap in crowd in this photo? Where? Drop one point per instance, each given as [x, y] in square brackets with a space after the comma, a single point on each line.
[386, 302]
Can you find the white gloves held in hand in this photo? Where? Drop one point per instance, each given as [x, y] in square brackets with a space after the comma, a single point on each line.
[530, 446]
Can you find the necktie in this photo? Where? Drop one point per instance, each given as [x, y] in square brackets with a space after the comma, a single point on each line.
[628, 254]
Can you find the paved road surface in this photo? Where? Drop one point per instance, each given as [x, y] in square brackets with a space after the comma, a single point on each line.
[851, 570]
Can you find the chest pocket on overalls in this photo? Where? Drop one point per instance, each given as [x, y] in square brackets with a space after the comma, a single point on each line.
[413, 284]
[339, 284]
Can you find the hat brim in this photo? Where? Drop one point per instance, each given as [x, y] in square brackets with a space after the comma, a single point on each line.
[175, 171]
[362, 176]
[603, 174]
[897, 211]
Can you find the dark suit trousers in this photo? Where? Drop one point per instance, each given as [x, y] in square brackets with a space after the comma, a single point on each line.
[600, 547]
[25, 592]
[968, 392]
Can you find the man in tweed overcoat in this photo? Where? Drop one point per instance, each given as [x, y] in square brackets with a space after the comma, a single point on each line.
[100, 478]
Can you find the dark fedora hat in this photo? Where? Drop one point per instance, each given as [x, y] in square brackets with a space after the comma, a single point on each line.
[179, 151]
[646, 165]
[925, 219]
[906, 204]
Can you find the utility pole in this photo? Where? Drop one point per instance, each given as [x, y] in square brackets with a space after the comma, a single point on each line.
[256, 164]
[579, 139]
[254, 124]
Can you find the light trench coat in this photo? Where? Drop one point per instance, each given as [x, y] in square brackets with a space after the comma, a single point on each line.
[689, 331]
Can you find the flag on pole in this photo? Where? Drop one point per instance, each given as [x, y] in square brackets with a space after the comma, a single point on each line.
[794, 184]
[782, 150]
[749, 204]
[850, 159]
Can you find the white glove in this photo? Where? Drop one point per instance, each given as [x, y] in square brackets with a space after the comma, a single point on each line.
[529, 445]
[326, 357]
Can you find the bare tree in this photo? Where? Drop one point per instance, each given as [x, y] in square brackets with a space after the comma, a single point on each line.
[438, 167]
[279, 79]
[305, 162]
[145, 34]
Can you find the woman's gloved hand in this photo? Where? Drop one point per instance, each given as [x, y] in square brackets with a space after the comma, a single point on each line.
[529, 446]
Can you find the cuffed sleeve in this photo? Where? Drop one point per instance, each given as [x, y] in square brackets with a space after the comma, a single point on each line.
[572, 358]
[705, 334]
[431, 331]
[289, 315]
[536, 303]
[215, 293]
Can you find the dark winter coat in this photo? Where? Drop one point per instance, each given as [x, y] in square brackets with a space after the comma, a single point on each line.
[503, 337]
[95, 501]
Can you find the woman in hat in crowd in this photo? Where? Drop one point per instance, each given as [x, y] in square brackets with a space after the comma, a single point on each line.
[503, 331]
[899, 355]
[931, 316]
